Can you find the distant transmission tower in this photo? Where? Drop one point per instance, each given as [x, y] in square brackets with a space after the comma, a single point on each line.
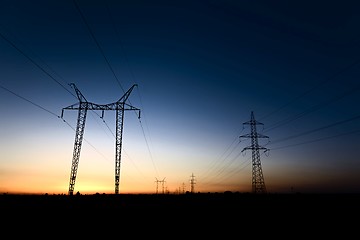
[258, 183]
[83, 106]
[157, 185]
[192, 183]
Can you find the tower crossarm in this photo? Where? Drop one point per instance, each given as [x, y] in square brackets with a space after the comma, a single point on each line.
[254, 148]
[101, 107]
[249, 135]
[78, 93]
[127, 94]
[118, 105]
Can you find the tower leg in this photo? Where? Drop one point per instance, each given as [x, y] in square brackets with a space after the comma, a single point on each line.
[77, 145]
[118, 145]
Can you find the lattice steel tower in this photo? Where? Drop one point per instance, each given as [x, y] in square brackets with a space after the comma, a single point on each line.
[157, 185]
[258, 183]
[192, 183]
[83, 106]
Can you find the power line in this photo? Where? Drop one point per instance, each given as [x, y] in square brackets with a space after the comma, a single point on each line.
[52, 113]
[217, 167]
[133, 77]
[317, 140]
[48, 74]
[35, 63]
[221, 159]
[97, 44]
[29, 101]
[313, 108]
[120, 42]
[147, 145]
[317, 129]
[326, 80]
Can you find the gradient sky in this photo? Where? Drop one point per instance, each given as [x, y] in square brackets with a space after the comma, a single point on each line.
[201, 67]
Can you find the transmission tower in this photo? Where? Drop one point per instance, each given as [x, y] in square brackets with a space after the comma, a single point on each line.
[83, 106]
[192, 183]
[162, 183]
[258, 183]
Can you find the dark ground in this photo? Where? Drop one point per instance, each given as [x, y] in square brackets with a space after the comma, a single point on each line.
[326, 214]
[220, 202]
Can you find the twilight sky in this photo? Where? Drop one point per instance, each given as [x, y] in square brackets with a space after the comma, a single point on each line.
[201, 68]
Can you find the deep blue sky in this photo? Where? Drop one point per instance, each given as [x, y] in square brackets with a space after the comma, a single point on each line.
[201, 68]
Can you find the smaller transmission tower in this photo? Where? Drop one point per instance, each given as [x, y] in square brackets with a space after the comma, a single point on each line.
[258, 183]
[192, 183]
[162, 184]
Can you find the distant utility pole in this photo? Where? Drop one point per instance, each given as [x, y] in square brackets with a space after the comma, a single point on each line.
[258, 183]
[162, 183]
[83, 106]
[192, 183]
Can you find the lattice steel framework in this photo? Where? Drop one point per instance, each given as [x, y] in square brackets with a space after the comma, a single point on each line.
[192, 183]
[83, 106]
[258, 183]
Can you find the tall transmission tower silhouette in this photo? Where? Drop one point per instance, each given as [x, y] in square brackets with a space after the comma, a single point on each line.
[192, 183]
[83, 106]
[258, 183]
